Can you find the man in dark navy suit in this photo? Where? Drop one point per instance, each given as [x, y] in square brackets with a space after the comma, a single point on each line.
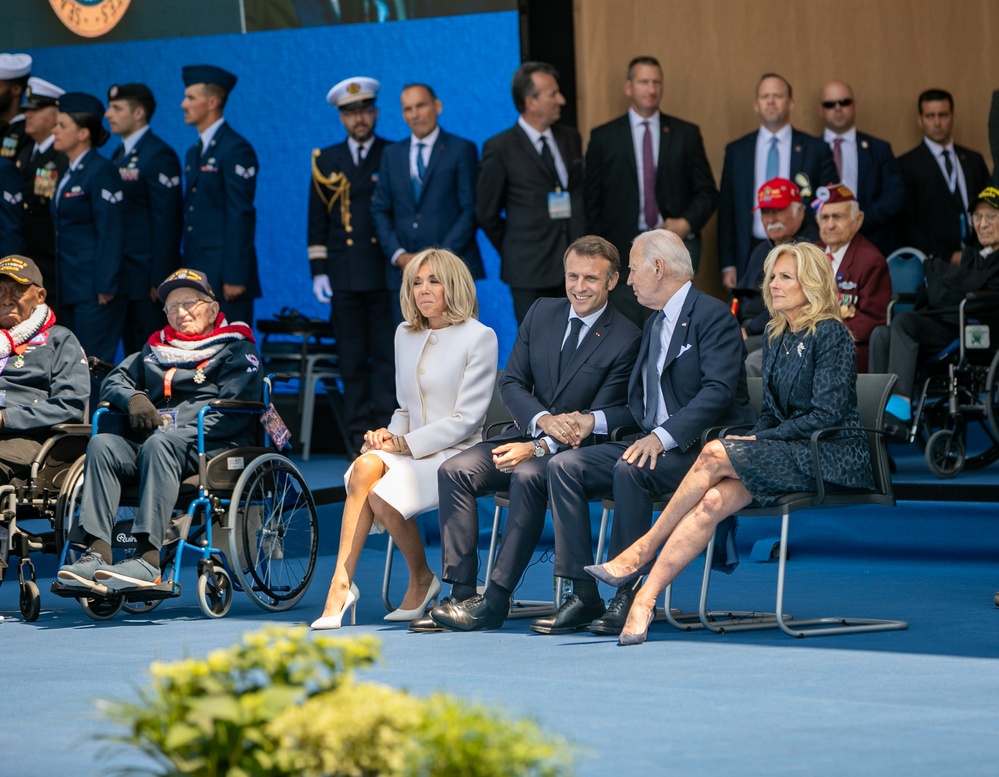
[221, 181]
[689, 375]
[775, 150]
[941, 181]
[568, 371]
[346, 260]
[426, 189]
[647, 145]
[864, 164]
[152, 211]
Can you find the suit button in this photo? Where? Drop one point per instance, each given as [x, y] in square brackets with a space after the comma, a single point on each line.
[194, 190]
[350, 242]
[374, 240]
[422, 371]
[190, 229]
[415, 225]
[191, 208]
[553, 411]
[433, 339]
[348, 229]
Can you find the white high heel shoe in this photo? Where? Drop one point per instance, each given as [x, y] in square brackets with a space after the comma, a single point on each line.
[407, 615]
[334, 621]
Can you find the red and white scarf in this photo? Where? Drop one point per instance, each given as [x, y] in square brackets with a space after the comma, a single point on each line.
[175, 349]
[11, 340]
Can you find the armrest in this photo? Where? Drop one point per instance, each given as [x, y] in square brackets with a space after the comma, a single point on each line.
[77, 429]
[814, 445]
[496, 427]
[237, 404]
[621, 433]
[717, 432]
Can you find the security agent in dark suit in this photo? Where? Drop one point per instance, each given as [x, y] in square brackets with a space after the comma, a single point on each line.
[865, 164]
[221, 181]
[534, 173]
[647, 170]
[11, 218]
[569, 366]
[41, 167]
[754, 159]
[693, 353]
[153, 208]
[348, 267]
[426, 190]
[941, 180]
[87, 214]
[15, 69]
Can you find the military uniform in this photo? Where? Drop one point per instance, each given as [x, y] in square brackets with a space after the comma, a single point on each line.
[13, 138]
[40, 174]
[11, 218]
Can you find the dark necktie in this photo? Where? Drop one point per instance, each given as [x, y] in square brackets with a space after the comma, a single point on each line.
[569, 346]
[421, 171]
[652, 371]
[119, 153]
[549, 162]
[360, 155]
[199, 149]
[650, 206]
[955, 190]
[837, 151]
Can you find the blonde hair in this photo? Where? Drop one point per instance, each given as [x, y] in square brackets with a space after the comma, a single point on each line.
[460, 302]
[817, 283]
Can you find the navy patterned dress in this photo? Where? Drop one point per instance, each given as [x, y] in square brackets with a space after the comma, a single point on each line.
[809, 382]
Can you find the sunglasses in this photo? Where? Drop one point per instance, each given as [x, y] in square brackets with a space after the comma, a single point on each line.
[846, 102]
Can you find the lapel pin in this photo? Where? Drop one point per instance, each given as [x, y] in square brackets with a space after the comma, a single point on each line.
[797, 149]
[864, 144]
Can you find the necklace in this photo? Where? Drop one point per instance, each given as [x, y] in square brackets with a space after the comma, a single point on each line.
[784, 345]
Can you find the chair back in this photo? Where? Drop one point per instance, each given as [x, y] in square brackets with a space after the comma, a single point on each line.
[756, 393]
[873, 391]
[497, 416]
[905, 267]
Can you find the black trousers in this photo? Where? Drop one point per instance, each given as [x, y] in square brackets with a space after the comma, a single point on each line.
[896, 348]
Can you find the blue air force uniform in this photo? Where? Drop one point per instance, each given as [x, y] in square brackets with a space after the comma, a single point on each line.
[11, 202]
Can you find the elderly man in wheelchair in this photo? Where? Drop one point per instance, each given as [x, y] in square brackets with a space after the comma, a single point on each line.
[198, 357]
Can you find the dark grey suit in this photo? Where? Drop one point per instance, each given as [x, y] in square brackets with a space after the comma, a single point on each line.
[595, 379]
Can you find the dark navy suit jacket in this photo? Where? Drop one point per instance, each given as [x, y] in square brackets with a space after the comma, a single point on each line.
[153, 214]
[87, 215]
[218, 206]
[444, 216]
[809, 156]
[881, 191]
[11, 208]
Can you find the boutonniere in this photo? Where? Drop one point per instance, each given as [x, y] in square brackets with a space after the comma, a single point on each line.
[801, 348]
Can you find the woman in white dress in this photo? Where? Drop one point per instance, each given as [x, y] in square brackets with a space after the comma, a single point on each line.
[445, 368]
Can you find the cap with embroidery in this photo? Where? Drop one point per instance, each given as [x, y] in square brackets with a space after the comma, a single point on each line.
[990, 196]
[21, 269]
[832, 193]
[356, 92]
[139, 92]
[777, 194]
[208, 74]
[40, 93]
[14, 66]
[80, 102]
[185, 279]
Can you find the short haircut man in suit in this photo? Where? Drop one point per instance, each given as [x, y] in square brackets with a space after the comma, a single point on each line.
[941, 180]
[346, 260]
[689, 376]
[567, 374]
[864, 164]
[647, 170]
[775, 150]
[153, 209]
[426, 189]
[221, 182]
[532, 172]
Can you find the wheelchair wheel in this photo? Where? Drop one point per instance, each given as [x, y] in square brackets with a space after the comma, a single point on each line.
[945, 453]
[68, 503]
[102, 608]
[31, 601]
[140, 607]
[214, 591]
[273, 537]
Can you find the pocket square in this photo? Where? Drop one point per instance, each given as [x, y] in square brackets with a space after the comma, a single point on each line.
[683, 349]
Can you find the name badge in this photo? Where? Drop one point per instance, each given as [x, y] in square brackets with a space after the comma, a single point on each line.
[559, 205]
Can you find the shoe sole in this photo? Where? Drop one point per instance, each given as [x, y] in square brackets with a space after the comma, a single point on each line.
[119, 581]
[73, 580]
[427, 629]
[561, 629]
[606, 631]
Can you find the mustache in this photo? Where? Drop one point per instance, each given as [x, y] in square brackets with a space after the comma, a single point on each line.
[775, 227]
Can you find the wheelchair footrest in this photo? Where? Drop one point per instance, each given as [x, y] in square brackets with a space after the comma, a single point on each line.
[165, 590]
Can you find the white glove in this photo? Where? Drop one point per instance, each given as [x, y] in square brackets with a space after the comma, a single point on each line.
[321, 288]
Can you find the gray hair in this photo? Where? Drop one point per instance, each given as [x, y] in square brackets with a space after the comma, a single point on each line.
[665, 245]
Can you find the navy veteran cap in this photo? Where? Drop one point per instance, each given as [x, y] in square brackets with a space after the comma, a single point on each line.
[185, 279]
[80, 102]
[208, 74]
[990, 196]
[40, 93]
[352, 93]
[13, 66]
[21, 269]
[138, 92]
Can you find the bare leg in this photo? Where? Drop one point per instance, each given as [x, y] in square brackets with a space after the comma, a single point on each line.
[686, 541]
[357, 519]
[407, 537]
[711, 467]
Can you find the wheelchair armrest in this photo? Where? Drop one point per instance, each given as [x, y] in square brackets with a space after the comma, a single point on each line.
[99, 366]
[237, 404]
[981, 294]
[280, 377]
[77, 429]
[904, 297]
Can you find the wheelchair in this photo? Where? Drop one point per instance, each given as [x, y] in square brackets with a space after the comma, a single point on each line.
[247, 517]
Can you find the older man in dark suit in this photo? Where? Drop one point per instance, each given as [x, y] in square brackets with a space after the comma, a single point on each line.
[775, 150]
[941, 180]
[567, 373]
[689, 376]
[532, 172]
[647, 170]
[426, 189]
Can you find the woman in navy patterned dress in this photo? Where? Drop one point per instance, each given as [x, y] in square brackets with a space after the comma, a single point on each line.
[809, 382]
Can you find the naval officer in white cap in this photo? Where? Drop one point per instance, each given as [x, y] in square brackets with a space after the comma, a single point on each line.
[14, 72]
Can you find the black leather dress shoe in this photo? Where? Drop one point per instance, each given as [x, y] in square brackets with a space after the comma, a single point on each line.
[473, 614]
[612, 622]
[572, 616]
[426, 625]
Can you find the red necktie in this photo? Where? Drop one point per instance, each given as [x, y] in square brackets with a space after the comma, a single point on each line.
[650, 207]
[838, 156]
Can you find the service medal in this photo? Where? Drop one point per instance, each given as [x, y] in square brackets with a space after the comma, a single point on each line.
[19, 361]
[199, 376]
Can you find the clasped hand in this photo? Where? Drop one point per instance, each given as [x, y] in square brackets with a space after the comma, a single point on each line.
[510, 454]
[380, 440]
[568, 428]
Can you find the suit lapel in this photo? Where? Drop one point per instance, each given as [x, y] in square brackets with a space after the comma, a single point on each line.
[865, 163]
[433, 163]
[530, 150]
[681, 330]
[665, 136]
[627, 141]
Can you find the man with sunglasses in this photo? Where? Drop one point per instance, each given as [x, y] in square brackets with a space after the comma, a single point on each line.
[865, 164]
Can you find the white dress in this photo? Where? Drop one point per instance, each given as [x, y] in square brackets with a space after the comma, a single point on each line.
[444, 382]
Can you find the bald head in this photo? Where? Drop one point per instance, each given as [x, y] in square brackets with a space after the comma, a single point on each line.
[836, 116]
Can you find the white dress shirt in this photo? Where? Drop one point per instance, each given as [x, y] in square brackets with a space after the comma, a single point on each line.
[535, 138]
[209, 134]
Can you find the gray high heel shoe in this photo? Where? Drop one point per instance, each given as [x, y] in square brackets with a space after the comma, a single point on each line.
[637, 639]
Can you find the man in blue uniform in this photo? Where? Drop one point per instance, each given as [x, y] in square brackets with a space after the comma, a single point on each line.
[346, 260]
[153, 208]
[15, 69]
[221, 180]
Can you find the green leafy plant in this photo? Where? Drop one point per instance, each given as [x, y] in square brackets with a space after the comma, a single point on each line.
[284, 702]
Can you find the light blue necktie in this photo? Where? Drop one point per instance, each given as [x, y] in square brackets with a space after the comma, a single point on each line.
[773, 159]
[421, 170]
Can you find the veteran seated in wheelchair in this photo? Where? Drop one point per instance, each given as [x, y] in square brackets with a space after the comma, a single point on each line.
[934, 322]
[198, 357]
[44, 379]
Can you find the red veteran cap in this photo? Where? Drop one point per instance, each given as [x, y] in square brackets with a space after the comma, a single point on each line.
[777, 193]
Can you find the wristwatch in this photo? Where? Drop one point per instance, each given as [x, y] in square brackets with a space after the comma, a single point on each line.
[539, 450]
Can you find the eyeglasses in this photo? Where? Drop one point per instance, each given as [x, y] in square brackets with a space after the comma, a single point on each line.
[190, 305]
[989, 217]
[846, 102]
